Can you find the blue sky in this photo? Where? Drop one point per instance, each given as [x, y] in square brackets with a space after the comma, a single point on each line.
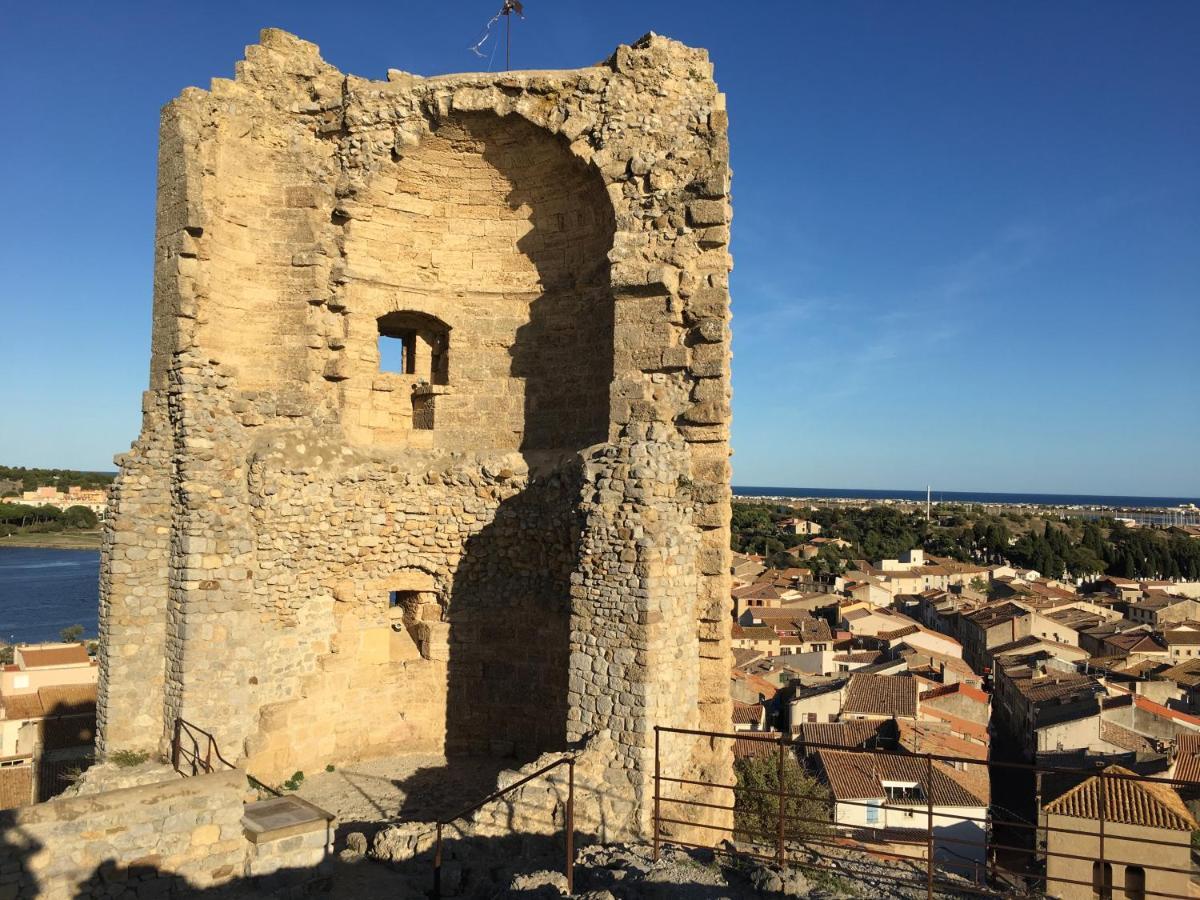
[967, 236]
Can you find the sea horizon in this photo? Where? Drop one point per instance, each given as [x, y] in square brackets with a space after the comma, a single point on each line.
[1111, 501]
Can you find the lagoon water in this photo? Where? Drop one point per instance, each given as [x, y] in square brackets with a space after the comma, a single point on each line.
[45, 591]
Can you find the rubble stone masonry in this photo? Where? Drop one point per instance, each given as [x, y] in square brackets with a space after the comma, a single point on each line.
[508, 533]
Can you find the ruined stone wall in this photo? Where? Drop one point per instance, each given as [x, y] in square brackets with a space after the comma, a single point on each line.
[516, 538]
[167, 838]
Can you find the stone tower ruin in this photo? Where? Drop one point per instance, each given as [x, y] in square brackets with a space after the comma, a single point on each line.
[435, 451]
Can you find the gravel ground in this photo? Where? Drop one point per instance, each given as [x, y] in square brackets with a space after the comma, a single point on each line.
[531, 870]
[424, 787]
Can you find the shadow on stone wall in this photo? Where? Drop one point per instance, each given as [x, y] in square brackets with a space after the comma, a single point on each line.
[565, 351]
[509, 612]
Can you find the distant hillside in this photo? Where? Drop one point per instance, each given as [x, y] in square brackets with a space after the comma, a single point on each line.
[14, 479]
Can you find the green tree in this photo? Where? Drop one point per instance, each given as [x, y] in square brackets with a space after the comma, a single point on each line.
[79, 517]
[781, 559]
[71, 634]
[807, 805]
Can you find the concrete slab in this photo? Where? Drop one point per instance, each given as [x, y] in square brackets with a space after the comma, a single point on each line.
[280, 817]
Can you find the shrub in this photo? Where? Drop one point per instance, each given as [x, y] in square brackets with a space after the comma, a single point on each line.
[756, 815]
[127, 759]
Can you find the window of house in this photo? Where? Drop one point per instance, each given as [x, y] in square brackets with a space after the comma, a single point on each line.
[812, 717]
[903, 792]
[1135, 883]
[1101, 881]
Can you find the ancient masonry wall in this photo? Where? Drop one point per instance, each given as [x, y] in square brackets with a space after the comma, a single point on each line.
[435, 451]
[172, 838]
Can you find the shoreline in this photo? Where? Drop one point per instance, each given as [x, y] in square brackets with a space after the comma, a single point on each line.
[80, 540]
[762, 494]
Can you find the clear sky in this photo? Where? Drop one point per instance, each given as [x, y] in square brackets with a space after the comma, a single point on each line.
[967, 235]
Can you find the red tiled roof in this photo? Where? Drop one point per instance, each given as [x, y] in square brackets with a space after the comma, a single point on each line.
[959, 687]
[1122, 737]
[935, 737]
[762, 744]
[881, 695]
[860, 776]
[36, 657]
[957, 723]
[1128, 800]
[747, 713]
[854, 733]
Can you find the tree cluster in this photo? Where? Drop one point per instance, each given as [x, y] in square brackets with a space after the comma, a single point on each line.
[22, 517]
[1057, 548]
[31, 479]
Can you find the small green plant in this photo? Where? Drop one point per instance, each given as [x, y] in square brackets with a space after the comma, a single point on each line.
[293, 783]
[127, 759]
[329, 768]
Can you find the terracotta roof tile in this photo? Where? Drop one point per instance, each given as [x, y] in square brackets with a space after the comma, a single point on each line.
[881, 695]
[22, 706]
[842, 734]
[860, 776]
[1128, 800]
[35, 657]
[747, 713]
[762, 744]
[958, 688]
[1122, 737]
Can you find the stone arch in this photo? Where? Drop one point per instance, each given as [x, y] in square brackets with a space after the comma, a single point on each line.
[503, 232]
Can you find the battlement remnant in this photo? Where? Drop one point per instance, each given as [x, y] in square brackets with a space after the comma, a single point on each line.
[435, 451]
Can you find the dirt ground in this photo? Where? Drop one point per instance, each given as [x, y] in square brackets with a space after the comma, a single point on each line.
[410, 787]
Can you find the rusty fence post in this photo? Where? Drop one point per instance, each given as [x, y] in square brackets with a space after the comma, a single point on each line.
[928, 824]
[779, 850]
[657, 790]
[175, 745]
[571, 826]
[437, 864]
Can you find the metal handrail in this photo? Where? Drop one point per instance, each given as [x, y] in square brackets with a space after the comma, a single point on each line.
[186, 730]
[569, 824]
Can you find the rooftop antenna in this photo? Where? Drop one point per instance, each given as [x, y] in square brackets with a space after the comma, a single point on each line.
[510, 7]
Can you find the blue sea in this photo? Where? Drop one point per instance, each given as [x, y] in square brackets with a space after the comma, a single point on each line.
[45, 591]
[1101, 500]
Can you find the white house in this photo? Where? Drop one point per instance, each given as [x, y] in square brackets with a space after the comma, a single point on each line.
[885, 797]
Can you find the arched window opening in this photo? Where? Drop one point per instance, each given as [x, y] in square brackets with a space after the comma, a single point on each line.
[1101, 881]
[1135, 883]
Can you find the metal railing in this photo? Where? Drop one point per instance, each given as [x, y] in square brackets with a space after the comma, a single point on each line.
[568, 824]
[186, 753]
[986, 865]
[188, 759]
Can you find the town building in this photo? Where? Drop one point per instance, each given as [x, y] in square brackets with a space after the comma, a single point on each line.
[1118, 835]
